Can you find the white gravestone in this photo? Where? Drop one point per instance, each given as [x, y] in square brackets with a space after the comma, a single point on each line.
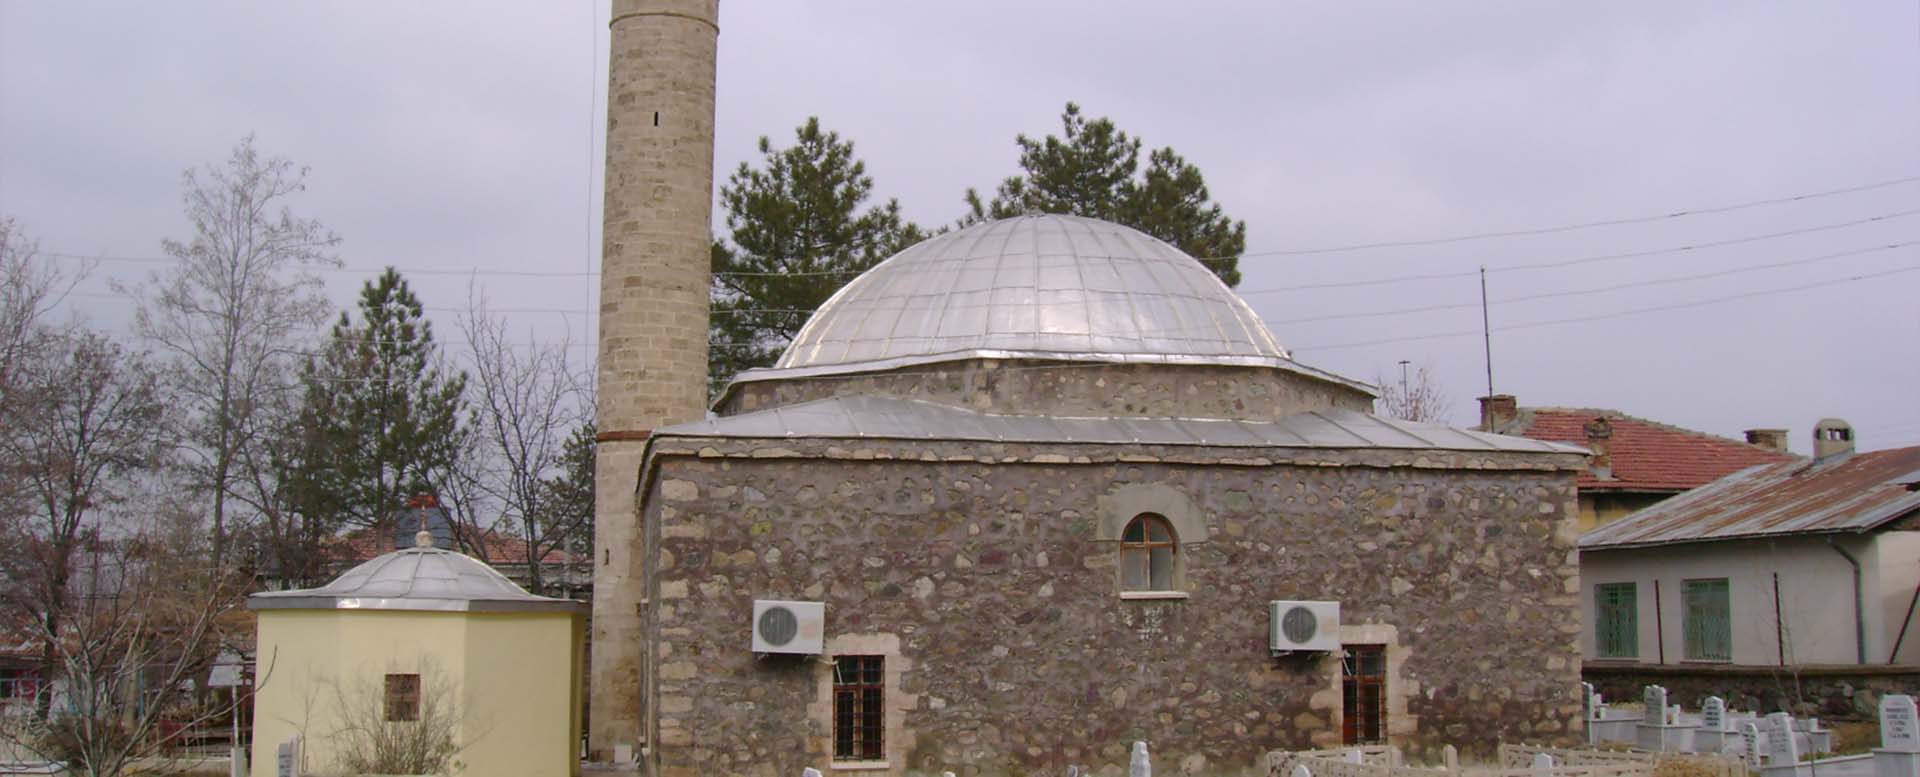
[1300, 770]
[1750, 734]
[1780, 744]
[1542, 761]
[1673, 715]
[1355, 757]
[1450, 756]
[1713, 714]
[1655, 699]
[1138, 765]
[287, 758]
[1899, 726]
[809, 772]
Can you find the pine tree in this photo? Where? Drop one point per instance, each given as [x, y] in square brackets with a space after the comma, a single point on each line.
[381, 421]
[1094, 171]
[798, 231]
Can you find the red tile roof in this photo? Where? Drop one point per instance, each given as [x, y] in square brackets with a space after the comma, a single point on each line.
[1647, 456]
[364, 544]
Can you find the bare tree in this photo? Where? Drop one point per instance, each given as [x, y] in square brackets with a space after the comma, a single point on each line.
[144, 620]
[526, 401]
[228, 312]
[1414, 397]
[90, 421]
[371, 737]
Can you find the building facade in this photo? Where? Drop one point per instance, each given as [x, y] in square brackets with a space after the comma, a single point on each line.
[1786, 586]
[1046, 475]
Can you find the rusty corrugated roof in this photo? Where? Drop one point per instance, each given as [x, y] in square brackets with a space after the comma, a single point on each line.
[1856, 493]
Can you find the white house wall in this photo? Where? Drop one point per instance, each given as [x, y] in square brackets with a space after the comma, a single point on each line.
[1816, 595]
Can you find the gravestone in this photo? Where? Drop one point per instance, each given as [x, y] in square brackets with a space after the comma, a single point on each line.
[1780, 745]
[1300, 770]
[1450, 756]
[1355, 757]
[1586, 699]
[287, 758]
[1713, 714]
[1656, 701]
[1138, 765]
[1658, 731]
[1899, 728]
[1542, 761]
[1750, 733]
[809, 772]
[1673, 715]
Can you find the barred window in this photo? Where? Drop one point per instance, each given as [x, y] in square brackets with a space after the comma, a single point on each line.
[859, 711]
[1363, 686]
[1708, 621]
[1616, 620]
[403, 697]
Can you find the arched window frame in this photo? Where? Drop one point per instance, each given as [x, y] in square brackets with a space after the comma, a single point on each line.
[1149, 555]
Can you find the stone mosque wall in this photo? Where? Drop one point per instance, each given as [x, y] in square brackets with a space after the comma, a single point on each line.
[1033, 387]
[986, 575]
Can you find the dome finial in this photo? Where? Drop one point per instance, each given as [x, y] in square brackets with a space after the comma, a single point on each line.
[423, 539]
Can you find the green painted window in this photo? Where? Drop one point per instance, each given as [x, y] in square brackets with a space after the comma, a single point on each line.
[1616, 620]
[1708, 621]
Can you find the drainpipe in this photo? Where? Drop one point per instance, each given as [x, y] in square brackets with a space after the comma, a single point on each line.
[1859, 604]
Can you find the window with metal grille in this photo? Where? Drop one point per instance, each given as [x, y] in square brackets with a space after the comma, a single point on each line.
[1616, 620]
[1363, 685]
[403, 697]
[1707, 620]
[859, 712]
[1147, 551]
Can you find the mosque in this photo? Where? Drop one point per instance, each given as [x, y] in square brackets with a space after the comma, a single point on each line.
[1022, 494]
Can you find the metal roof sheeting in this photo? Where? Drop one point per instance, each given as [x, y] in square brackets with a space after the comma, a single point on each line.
[416, 579]
[1852, 494]
[1070, 287]
[909, 419]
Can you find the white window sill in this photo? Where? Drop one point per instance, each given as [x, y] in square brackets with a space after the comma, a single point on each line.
[860, 766]
[1152, 595]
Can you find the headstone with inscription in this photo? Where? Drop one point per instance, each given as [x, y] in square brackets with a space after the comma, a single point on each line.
[1780, 743]
[1655, 698]
[1658, 730]
[287, 758]
[1899, 725]
[1750, 735]
[1713, 714]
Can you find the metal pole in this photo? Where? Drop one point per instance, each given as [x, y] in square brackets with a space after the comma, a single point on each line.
[1486, 328]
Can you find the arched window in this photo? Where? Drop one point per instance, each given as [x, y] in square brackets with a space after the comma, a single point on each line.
[1147, 549]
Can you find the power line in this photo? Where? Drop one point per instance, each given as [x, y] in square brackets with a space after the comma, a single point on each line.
[1617, 314]
[1591, 224]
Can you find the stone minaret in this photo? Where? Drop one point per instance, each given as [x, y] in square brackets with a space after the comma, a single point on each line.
[653, 312]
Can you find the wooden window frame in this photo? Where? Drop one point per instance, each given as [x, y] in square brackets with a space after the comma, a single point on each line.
[402, 701]
[1357, 684]
[1700, 636]
[1146, 545]
[1616, 620]
[859, 708]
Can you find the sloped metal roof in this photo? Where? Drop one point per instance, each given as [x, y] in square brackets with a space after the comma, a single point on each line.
[909, 419]
[1042, 286]
[1852, 494]
[419, 578]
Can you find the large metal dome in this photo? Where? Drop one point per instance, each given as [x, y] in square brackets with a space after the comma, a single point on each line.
[1049, 286]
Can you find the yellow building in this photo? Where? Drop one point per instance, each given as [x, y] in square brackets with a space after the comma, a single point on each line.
[419, 656]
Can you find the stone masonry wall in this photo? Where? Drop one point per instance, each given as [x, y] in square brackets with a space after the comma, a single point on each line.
[978, 565]
[653, 305]
[1030, 387]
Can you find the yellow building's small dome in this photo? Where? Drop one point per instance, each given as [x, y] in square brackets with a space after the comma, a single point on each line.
[419, 578]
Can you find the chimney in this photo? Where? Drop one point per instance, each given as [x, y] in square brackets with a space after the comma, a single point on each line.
[1832, 438]
[1498, 412]
[1771, 439]
[1600, 439]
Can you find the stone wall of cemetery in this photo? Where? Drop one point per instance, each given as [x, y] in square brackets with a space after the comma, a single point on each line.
[1829, 692]
[987, 577]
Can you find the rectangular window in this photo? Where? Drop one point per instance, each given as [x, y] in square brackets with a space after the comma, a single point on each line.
[1363, 686]
[1708, 622]
[403, 697]
[859, 711]
[1616, 620]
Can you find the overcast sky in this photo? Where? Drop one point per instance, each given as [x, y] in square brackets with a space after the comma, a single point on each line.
[462, 137]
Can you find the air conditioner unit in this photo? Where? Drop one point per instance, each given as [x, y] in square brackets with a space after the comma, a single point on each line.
[1301, 627]
[789, 627]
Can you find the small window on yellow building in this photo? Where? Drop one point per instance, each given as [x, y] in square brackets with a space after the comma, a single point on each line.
[403, 697]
